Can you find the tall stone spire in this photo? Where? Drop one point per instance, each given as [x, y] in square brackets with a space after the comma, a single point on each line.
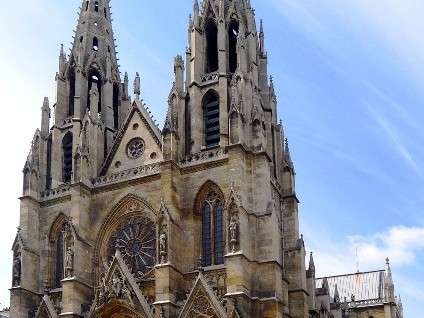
[90, 93]
[94, 32]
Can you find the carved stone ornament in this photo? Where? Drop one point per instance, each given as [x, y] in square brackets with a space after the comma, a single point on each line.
[69, 262]
[135, 148]
[16, 269]
[162, 247]
[136, 241]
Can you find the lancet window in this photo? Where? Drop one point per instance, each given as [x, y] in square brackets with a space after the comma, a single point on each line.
[212, 127]
[213, 233]
[211, 32]
[67, 157]
[233, 31]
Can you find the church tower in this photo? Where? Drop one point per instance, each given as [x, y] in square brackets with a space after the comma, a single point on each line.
[199, 219]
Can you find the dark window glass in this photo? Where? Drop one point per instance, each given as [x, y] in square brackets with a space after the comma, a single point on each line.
[211, 46]
[59, 260]
[207, 235]
[212, 133]
[219, 233]
[233, 31]
[67, 157]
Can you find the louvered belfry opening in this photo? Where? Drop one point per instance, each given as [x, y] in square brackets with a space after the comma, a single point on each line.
[212, 134]
[67, 157]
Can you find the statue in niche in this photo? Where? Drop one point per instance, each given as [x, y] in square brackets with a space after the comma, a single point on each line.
[16, 270]
[233, 233]
[69, 262]
[162, 247]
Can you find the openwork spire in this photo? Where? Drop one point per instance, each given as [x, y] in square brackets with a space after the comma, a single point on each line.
[94, 34]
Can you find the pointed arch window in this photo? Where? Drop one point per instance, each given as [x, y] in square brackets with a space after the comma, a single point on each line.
[67, 157]
[71, 103]
[211, 32]
[96, 6]
[87, 5]
[211, 118]
[233, 30]
[59, 260]
[213, 233]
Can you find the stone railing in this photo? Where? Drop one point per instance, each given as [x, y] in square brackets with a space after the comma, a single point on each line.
[209, 77]
[204, 156]
[126, 175]
[367, 302]
[55, 193]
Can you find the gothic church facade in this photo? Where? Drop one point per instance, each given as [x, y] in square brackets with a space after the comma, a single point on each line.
[199, 219]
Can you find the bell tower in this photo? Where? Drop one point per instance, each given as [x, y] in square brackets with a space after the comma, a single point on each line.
[91, 100]
[230, 97]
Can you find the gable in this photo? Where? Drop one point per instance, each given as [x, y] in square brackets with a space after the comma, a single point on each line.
[202, 302]
[46, 309]
[119, 290]
[137, 144]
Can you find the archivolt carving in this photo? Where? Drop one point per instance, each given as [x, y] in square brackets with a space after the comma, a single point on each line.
[137, 219]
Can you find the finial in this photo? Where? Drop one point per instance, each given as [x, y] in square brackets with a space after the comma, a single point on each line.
[387, 261]
[62, 53]
[261, 28]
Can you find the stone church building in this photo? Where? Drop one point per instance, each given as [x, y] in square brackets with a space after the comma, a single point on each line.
[119, 218]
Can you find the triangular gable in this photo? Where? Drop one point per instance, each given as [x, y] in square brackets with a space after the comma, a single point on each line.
[19, 241]
[128, 282]
[202, 302]
[138, 124]
[46, 309]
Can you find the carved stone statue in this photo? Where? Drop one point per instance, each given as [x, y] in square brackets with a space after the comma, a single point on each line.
[137, 85]
[116, 284]
[16, 270]
[126, 294]
[233, 234]
[69, 262]
[162, 247]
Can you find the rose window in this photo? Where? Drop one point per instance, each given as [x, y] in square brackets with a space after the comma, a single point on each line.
[135, 148]
[136, 240]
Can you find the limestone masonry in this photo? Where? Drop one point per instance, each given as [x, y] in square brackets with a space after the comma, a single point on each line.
[119, 218]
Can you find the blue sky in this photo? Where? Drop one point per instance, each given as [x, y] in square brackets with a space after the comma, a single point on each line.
[349, 77]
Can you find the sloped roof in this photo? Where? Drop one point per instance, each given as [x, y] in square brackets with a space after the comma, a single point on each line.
[364, 286]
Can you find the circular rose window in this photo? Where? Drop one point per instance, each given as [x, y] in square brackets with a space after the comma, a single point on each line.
[136, 240]
[135, 148]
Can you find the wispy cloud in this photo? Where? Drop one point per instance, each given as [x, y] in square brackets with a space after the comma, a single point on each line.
[394, 136]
